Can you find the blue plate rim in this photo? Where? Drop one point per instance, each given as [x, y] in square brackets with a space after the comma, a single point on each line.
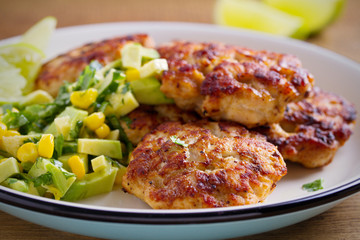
[151, 216]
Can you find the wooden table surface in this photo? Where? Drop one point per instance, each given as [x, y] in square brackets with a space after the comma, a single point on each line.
[343, 36]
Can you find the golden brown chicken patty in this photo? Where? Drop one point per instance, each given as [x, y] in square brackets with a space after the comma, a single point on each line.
[313, 129]
[146, 118]
[68, 66]
[232, 83]
[203, 165]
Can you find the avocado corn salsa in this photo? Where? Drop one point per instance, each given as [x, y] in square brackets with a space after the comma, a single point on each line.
[73, 147]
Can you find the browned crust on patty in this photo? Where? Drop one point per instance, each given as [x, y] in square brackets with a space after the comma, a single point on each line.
[313, 129]
[145, 118]
[223, 165]
[67, 67]
[232, 83]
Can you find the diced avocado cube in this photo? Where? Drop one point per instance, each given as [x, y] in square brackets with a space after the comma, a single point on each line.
[21, 185]
[99, 163]
[131, 55]
[92, 184]
[147, 91]
[114, 135]
[36, 97]
[8, 167]
[149, 53]
[97, 147]
[63, 125]
[121, 102]
[16, 184]
[75, 115]
[154, 67]
[83, 157]
[52, 177]
[69, 147]
[26, 166]
[12, 143]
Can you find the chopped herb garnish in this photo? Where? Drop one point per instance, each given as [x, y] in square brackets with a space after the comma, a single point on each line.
[12, 180]
[178, 141]
[115, 124]
[69, 147]
[113, 162]
[87, 78]
[126, 88]
[44, 179]
[33, 140]
[74, 133]
[14, 120]
[59, 144]
[314, 186]
[113, 86]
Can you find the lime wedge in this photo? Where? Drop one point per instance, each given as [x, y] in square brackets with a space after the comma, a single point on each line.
[316, 14]
[39, 34]
[11, 82]
[26, 57]
[255, 15]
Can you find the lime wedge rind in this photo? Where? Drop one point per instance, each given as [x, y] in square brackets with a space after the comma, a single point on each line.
[316, 14]
[39, 34]
[256, 16]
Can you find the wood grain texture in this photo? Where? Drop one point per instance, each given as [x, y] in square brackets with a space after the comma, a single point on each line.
[343, 36]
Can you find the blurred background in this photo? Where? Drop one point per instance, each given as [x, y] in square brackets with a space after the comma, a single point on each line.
[340, 34]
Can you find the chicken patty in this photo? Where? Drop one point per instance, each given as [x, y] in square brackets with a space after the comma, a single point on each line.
[203, 165]
[232, 83]
[313, 129]
[67, 67]
[146, 118]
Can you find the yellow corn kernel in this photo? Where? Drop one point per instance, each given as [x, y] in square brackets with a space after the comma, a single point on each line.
[103, 131]
[10, 133]
[27, 152]
[95, 120]
[77, 166]
[46, 146]
[83, 99]
[3, 129]
[3, 160]
[132, 74]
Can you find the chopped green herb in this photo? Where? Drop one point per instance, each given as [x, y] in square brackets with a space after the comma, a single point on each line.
[314, 186]
[113, 86]
[59, 144]
[126, 88]
[33, 140]
[12, 180]
[113, 162]
[44, 179]
[69, 147]
[101, 107]
[74, 133]
[14, 120]
[178, 141]
[87, 78]
[119, 76]
[115, 124]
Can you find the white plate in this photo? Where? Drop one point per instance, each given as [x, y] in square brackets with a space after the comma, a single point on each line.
[122, 216]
